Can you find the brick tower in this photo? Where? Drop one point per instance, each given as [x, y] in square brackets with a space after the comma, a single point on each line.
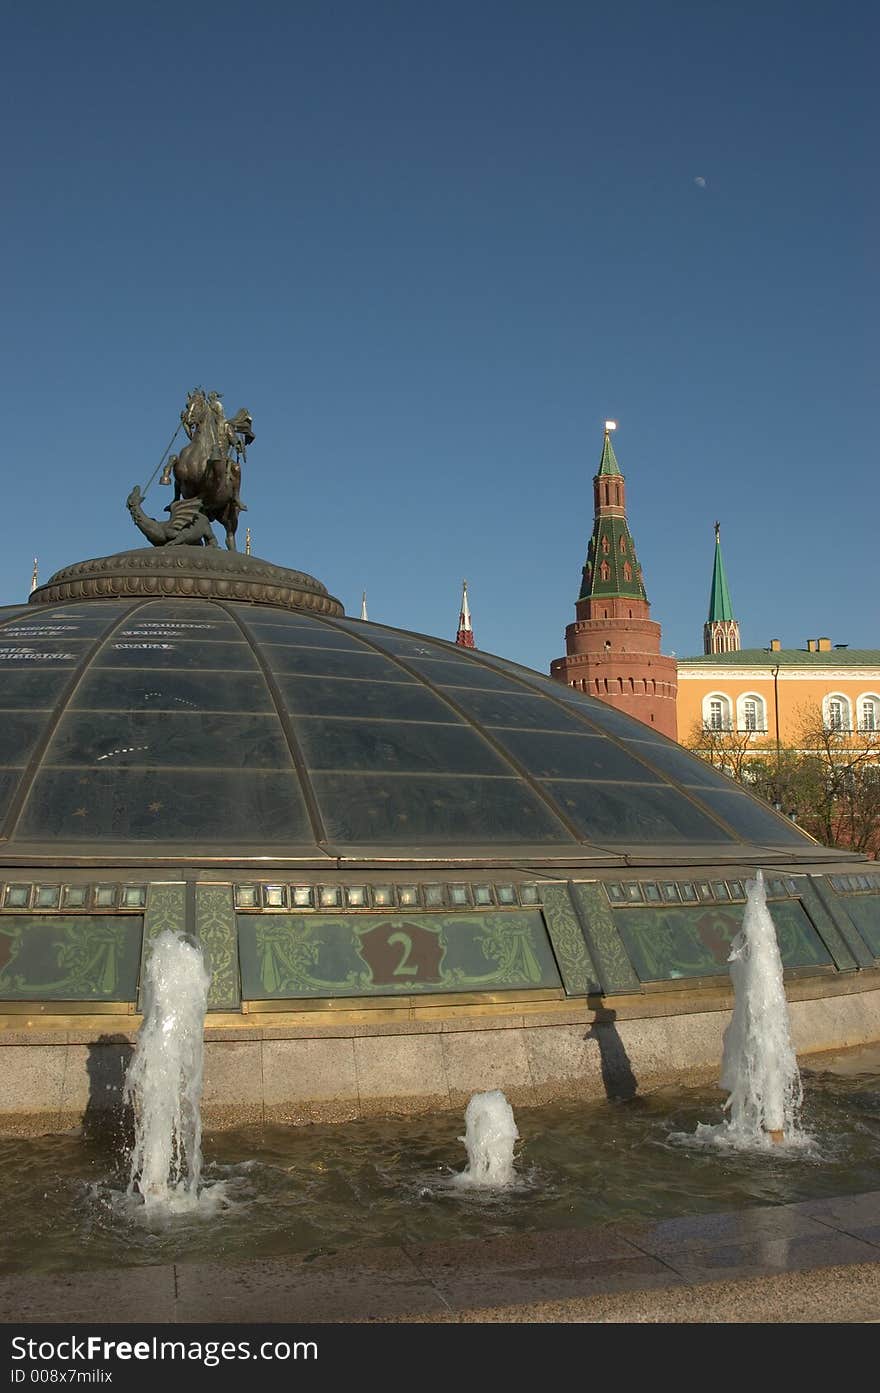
[613, 646]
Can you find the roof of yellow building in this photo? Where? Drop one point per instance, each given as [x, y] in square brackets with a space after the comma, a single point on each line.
[787, 657]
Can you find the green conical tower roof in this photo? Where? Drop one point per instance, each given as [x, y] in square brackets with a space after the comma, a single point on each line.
[612, 568]
[719, 596]
[608, 464]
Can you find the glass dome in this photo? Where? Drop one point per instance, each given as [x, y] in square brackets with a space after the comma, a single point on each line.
[226, 731]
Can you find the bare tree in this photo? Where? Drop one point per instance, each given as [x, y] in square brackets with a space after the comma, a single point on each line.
[827, 779]
[735, 752]
[842, 786]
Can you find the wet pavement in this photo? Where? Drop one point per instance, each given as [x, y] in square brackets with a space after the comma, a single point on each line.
[815, 1261]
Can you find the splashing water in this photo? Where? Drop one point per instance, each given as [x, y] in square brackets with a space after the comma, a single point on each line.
[759, 1067]
[490, 1135]
[164, 1079]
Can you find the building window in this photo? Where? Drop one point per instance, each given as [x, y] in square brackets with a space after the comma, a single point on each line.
[869, 712]
[837, 713]
[627, 571]
[605, 545]
[751, 712]
[604, 570]
[716, 712]
[623, 546]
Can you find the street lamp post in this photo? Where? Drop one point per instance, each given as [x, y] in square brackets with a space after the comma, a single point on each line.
[777, 801]
[776, 712]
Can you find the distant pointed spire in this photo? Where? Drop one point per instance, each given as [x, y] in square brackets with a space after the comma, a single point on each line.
[247, 541]
[364, 605]
[721, 630]
[465, 636]
[34, 577]
[719, 595]
[608, 463]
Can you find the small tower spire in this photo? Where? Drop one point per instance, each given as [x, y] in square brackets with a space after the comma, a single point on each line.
[465, 636]
[608, 463]
[364, 605]
[721, 630]
[247, 541]
[34, 577]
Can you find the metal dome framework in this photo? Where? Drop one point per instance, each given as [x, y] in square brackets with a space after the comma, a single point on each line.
[172, 728]
[343, 811]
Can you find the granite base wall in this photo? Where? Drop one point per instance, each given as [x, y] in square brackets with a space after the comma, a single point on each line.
[55, 1080]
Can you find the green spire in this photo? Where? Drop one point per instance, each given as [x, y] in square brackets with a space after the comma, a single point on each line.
[608, 464]
[719, 596]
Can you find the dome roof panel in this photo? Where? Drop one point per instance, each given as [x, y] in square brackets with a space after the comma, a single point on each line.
[183, 810]
[445, 674]
[19, 733]
[752, 820]
[177, 739]
[516, 710]
[89, 620]
[151, 653]
[395, 746]
[677, 763]
[330, 662]
[575, 755]
[10, 782]
[617, 813]
[174, 689]
[356, 696]
[233, 730]
[388, 810]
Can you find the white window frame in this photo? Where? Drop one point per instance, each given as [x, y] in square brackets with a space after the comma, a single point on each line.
[726, 711]
[760, 726]
[861, 701]
[846, 724]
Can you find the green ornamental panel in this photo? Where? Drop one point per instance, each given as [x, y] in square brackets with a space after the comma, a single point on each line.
[694, 940]
[608, 951]
[166, 909]
[70, 957]
[579, 976]
[290, 955]
[218, 934]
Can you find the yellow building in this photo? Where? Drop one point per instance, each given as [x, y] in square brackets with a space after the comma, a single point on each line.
[773, 692]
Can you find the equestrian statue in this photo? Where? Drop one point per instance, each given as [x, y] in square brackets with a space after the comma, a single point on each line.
[206, 474]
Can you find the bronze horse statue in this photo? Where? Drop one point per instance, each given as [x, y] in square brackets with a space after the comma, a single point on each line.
[209, 467]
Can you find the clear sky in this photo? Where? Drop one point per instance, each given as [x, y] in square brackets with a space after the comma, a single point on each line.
[432, 246]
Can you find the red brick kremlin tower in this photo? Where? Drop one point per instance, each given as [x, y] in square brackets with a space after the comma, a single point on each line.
[613, 646]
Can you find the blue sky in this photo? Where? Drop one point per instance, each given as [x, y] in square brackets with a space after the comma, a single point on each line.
[431, 247]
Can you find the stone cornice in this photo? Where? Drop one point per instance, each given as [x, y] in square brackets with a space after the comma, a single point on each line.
[705, 673]
[191, 572]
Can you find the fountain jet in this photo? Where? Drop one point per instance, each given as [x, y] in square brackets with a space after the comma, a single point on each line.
[164, 1079]
[490, 1135]
[758, 1065]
